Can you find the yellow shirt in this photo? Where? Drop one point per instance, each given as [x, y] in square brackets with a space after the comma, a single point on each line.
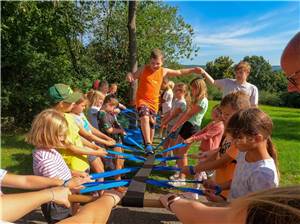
[74, 161]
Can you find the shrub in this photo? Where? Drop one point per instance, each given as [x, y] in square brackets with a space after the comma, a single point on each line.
[269, 98]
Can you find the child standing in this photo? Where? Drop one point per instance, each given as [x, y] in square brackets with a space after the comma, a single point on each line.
[257, 165]
[109, 125]
[96, 99]
[190, 122]
[147, 97]
[48, 132]
[178, 108]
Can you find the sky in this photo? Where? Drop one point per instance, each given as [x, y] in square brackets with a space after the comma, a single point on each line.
[240, 28]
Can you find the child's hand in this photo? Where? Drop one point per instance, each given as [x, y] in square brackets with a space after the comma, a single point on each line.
[199, 70]
[60, 195]
[117, 111]
[110, 142]
[189, 140]
[76, 182]
[129, 77]
[100, 152]
[79, 174]
[211, 196]
[209, 185]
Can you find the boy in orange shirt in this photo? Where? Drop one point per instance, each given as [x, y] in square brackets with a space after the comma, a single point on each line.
[147, 97]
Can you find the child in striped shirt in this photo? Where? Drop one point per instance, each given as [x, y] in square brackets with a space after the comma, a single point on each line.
[48, 132]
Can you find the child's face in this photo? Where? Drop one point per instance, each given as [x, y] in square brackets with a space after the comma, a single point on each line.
[178, 92]
[227, 112]
[113, 89]
[244, 142]
[66, 107]
[78, 108]
[215, 114]
[104, 89]
[241, 75]
[156, 63]
[109, 107]
[99, 102]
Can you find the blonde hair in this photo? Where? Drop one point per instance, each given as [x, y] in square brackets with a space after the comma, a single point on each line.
[201, 90]
[243, 65]
[272, 206]
[94, 96]
[46, 129]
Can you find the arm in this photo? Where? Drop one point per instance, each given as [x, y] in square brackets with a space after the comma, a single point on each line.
[87, 135]
[191, 212]
[186, 116]
[87, 151]
[97, 211]
[172, 115]
[30, 181]
[213, 165]
[112, 130]
[130, 77]
[181, 72]
[208, 133]
[16, 205]
[108, 140]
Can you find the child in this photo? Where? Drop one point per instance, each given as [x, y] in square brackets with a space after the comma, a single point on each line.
[190, 122]
[75, 154]
[108, 124]
[257, 165]
[96, 99]
[147, 97]
[48, 132]
[90, 133]
[242, 71]
[223, 159]
[113, 88]
[166, 100]
[210, 137]
[178, 108]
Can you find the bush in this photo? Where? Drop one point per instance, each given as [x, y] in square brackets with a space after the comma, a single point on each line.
[269, 98]
[214, 93]
[291, 99]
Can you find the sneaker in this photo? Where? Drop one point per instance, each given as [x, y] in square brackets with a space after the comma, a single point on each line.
[149, 149]
[178, 182]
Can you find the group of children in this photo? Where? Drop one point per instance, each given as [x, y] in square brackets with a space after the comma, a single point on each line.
[236, 144]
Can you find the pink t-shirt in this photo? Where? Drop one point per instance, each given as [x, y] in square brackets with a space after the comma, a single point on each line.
[210, 136]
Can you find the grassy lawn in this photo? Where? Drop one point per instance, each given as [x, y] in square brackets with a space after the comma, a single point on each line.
[16, 154]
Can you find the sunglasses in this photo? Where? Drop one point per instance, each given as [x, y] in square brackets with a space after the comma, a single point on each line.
[292, 81]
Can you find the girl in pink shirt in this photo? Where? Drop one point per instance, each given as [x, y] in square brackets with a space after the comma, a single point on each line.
[211, 135]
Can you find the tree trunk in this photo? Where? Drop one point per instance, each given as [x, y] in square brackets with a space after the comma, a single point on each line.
[132, 47]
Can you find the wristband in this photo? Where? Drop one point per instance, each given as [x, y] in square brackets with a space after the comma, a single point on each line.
[171, 200]
[65, 184]
[192, 170]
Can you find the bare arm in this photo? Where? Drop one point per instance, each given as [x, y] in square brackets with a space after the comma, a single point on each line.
[191, 212]
[215, 164]
[186, 116]
[87, 151]
[136, 75]
[172, 115]
[97, 211]
[16, 205]
[181, 72]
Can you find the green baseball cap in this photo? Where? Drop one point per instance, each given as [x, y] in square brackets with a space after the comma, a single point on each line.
[61, 92]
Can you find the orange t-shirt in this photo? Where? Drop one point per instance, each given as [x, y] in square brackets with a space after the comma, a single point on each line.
[149, 87]
[225, 173]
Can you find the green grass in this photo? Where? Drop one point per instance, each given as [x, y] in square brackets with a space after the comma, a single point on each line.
[16, 154]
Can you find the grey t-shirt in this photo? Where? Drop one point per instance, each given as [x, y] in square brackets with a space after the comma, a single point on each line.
[177, 104]
[230, 85]
[252, 177]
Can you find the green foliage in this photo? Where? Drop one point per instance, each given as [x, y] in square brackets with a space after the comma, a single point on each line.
[75, 43]
[270, 98]
[220, 68]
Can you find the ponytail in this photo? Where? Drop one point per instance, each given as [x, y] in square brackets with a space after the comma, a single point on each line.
[273, 153]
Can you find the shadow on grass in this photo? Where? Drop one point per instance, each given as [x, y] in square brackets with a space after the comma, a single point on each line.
[14, 141]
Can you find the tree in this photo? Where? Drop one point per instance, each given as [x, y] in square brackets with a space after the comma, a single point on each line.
[220, 68]
[261, 73]
[132, 47]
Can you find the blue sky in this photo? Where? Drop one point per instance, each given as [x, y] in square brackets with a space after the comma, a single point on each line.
[240, 28]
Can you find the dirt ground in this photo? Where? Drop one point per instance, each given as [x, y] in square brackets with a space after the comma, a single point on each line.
[120, 215]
